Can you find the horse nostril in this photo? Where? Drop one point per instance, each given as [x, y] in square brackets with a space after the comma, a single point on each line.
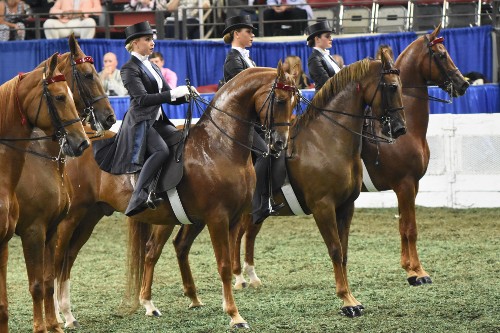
[111, 120]
[84, 145]
[278, 145]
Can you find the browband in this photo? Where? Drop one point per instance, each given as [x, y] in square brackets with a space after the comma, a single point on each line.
[285, 87]
[436, 41]
[84, 59]
[56, 78]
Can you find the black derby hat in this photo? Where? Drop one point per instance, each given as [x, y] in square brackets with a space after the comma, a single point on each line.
[237, 22]
[318, 28]
[138, 30]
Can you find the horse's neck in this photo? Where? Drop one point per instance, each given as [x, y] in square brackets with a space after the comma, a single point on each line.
[415, 96]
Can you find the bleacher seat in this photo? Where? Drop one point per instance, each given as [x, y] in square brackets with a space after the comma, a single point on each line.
[462, 13]
[427, 14]
[356, 16]
[326, 10]
[391, 15]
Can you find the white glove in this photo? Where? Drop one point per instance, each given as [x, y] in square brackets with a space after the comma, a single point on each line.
[178, 92]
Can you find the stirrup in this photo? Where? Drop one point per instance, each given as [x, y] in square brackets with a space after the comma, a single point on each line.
[150, 201]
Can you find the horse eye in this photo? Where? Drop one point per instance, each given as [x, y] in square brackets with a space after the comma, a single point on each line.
[393, 87]
[442, 55]
[60, 98]
[89, 76]
[280, 101]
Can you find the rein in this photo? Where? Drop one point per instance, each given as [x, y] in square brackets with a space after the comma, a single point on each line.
[266, 127]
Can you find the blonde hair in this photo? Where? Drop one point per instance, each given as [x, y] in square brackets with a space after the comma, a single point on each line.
[129, 47]
[295, 62]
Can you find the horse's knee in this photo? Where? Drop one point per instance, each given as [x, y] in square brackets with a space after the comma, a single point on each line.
[36, 290]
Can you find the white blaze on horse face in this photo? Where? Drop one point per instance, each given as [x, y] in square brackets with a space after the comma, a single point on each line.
[70, 93]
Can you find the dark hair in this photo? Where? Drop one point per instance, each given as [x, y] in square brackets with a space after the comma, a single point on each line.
[156, 55]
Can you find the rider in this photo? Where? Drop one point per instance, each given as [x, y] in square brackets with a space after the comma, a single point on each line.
[139, 144]
[239, 32]
[321, 65]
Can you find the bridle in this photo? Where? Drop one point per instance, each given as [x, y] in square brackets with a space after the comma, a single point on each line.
[268, 125]
[438, 58]
[88, 114]
[60, 133]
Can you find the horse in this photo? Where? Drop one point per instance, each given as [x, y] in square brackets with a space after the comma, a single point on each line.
[216, 188]
[40, 98]
[42, 210]
[401, 165]
[323, 166]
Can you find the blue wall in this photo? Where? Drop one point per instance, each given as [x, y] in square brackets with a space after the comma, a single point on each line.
[202, 61]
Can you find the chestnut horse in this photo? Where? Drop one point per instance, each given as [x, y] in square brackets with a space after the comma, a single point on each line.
[401, 165]
[42, 210]
[216, 188]
[42, 99]
[324, 166]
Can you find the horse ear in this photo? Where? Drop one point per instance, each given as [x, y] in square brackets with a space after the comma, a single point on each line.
[53, 64]
[435, 32]
[281, 72]
[73, 45]
[386, 60]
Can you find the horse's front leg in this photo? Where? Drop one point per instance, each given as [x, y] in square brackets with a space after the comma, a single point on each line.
[219, 234]
[410, 261]
[325, 217]
[159, 236]
[182, 244]
[51, 320]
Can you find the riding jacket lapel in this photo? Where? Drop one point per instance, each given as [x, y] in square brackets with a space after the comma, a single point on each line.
[152, 79]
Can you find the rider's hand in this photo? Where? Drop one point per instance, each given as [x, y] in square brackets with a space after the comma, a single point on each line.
[178, 92]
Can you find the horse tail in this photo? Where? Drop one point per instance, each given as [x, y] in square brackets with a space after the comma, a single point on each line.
[138, 235]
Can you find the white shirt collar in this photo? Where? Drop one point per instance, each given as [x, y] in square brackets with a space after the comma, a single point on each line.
[244, 52]
[140, 56]
[324, 52]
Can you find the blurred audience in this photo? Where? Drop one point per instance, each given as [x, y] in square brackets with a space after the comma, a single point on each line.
[172, 6]
[245, 7]
[141, 5]
[11, 20]
[110, 76]
[293, 66]
[281, 10]
[476, 78]
[72, 16]
[169, 75]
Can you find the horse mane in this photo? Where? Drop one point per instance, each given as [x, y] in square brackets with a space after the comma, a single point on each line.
[8, 92]
[336, 84]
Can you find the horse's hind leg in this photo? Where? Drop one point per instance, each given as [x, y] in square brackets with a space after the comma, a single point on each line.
[159, 236]
[240, 281]
[182, 244]
[252, 230]
[410, 261]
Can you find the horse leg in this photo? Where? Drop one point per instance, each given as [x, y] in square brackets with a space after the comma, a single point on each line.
[240, 281]
[410, 261]
[326, 221]
[182, 244]
[33, 240]
[154, 247]
[344, 218]
[73, 232]
[6, 232]
[249, 267]
[219, 234]
[49, 280]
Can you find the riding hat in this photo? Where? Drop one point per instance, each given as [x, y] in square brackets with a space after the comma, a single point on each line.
[237, 22]
[138, 30]
[317, 29]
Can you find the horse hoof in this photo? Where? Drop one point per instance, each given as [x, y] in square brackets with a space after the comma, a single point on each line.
[156, 313]
[241, 325]
[74, 324]
[351, 311]
[414, 281]
[240, 286]
[425, 280]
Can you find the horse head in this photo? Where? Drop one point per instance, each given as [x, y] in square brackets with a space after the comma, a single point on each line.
[275, 108]
[57, 115]
[441, 68]
[89, 94]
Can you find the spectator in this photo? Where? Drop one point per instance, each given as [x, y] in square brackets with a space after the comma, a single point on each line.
[293, 66]
[193, 30]
[282, 11]
[11, 16]
[321, 65]
[339, 60]
[73, 16]
[388, 50]
[242, 8]
[476, 78]
[110, 76]
[141, 5]
[169, 75]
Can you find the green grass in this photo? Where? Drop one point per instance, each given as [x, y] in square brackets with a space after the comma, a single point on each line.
[459, 249]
